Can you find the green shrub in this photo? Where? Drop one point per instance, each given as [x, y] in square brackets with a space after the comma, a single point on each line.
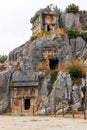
[74, 71]
[86, 27]
[84, 36]
[33, 37]
[72, 33]
[53, 75]
[72, 8]
[3, 58]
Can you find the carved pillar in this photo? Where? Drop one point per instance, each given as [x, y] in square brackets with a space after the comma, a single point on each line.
[41, 22]
[57, 23]
[85, 103]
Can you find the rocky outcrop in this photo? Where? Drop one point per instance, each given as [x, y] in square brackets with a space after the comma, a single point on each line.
[4, 91]
[70, 20]
[54, 45]
[25, 59]
[83, 17]
[65, 94]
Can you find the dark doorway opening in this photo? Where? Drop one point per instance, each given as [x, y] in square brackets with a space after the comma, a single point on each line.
[26, 104]
[53, 63]
[48, 28]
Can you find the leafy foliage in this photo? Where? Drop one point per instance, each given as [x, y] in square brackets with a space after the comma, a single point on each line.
[74, 71]
[73, 33]
[32, 38]
[72, 8]
[74, 68]
[3, 58]
[84, 35]
[86, 27]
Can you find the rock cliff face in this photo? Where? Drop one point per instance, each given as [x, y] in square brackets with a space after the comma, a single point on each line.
[70, 20]
[65, 94]
[32, 60]
[26, 58]
[50, 46]
[4, 90]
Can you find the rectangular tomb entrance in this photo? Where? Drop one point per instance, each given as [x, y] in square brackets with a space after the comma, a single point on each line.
[53, 63]
[23, 99]
[27, 103]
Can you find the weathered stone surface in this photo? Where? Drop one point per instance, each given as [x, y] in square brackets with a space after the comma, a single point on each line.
[9, 69]
[23, 72]
[64, 93]
[72, 20]
[60, 46]
[19, 76]
[60, 92]
[4, 90]
[76, 97]
[43, 111]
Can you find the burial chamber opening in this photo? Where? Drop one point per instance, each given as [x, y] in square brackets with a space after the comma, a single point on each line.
[27, 103]
[48, 28]
[53, 63]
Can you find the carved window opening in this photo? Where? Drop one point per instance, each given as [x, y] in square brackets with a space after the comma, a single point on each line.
[53, 63]
[27, 104]
[48, 28]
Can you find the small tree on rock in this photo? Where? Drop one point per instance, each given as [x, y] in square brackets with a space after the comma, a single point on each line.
[3, 58]
[72, 8]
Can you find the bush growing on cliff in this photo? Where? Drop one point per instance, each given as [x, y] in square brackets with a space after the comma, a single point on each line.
[3, 58]
[72, 8]
[72, 33]
[84, 36]
[74, 71]
[74, 68]
[33, 37]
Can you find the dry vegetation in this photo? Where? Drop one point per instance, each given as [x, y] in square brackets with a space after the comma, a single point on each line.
[74, 67]
[75, 63]
[43, 65]
[60, 31]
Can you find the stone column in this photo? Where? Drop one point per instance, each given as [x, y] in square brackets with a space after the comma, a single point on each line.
[41, 22]
[57, 22]
[86, 96]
